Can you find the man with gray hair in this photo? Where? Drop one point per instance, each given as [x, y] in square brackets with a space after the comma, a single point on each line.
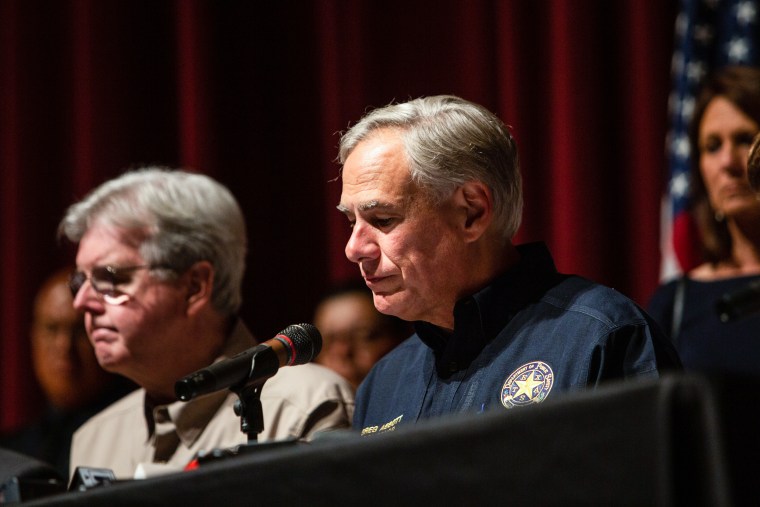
[160, 263]
[432, 191]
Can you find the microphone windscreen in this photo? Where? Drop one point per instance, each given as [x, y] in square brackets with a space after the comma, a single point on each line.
[307, 341]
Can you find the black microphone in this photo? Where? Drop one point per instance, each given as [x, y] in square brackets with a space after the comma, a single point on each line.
[739, 303]
[296, 344]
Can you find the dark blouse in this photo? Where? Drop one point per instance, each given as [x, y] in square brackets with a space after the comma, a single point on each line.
[704, 342]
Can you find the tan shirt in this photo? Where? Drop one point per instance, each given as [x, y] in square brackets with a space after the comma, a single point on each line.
[297, 402]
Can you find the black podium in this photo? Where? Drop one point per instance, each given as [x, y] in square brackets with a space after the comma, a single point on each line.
[682, 440]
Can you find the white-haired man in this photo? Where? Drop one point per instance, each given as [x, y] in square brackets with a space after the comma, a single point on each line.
[160, 262]
[432, 191]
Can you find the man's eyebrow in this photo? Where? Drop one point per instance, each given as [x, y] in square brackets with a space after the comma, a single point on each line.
[365, 206]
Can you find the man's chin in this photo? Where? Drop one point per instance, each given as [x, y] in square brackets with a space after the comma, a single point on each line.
[109, 362]
[390, 304]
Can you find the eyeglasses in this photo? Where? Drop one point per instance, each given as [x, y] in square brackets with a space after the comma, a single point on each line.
[105, 280]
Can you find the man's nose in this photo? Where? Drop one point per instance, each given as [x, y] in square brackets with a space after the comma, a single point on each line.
[86, 299]
[361, 245]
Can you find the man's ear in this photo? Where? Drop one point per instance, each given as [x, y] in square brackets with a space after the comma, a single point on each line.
[200, 285]
[476, 199]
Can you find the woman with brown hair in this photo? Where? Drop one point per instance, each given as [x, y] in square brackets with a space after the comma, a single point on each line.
[726, 120]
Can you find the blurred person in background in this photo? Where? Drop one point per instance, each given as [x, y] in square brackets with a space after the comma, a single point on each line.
[74, 385]
[354, 334]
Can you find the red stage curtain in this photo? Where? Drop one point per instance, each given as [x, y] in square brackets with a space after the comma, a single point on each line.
[254, 93]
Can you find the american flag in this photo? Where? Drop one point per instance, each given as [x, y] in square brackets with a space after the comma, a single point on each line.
[709, 34]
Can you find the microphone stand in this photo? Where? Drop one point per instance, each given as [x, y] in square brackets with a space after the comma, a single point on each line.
[248, 408]
[263, 367]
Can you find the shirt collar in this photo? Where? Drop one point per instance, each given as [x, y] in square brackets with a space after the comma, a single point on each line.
[480, 317]
[191, 418]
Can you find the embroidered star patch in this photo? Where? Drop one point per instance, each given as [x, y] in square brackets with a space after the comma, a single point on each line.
[530, 383]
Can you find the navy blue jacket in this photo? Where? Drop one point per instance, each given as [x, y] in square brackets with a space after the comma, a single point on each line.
[532, 334]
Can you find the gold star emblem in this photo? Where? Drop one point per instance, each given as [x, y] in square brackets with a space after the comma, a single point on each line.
[536, 379]
[527, 386]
